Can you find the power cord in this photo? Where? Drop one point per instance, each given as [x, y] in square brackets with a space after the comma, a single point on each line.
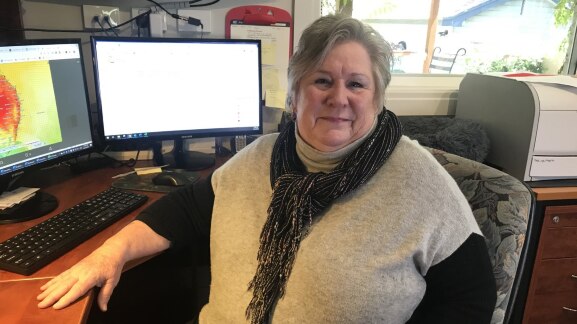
[191, 4]
[113, 28]
[118, 163]
[96, 19]
[189, 20]
[139, 19]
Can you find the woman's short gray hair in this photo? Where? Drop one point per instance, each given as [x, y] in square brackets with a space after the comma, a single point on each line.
[318, 39]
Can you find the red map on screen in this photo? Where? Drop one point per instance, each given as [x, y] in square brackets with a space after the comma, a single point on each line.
[9, 110]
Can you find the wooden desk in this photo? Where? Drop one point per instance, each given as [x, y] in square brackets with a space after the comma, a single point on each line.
[557, 193]
[552, 292]
[17, 292]
[18, 305]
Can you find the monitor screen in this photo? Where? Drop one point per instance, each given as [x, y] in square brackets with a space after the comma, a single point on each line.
[176, 88]
[44, 110]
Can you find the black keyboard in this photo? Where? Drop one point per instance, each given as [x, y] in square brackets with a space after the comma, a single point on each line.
[37, 246]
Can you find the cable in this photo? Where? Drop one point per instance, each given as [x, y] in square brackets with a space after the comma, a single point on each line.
[189, 20]
[119, 163]
[160, 6]
[132, 162]
[96, 19]
[143, 22]
[113, 28]
[179, 4]
[146, 13]
[192, 5]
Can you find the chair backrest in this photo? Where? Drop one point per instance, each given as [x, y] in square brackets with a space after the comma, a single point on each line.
[443, 62]
[503, 207]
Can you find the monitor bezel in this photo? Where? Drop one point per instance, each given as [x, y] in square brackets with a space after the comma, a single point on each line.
[15, 174]
[182, 134]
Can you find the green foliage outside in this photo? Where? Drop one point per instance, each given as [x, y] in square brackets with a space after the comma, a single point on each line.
[564, 11]
[516, 64]
[505, 64]
[565, 15]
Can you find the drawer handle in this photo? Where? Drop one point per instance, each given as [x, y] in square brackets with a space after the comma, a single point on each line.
[556, 219]
[574, 276]
[569, 309]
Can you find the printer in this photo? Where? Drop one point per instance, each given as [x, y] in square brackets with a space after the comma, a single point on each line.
[530, 120]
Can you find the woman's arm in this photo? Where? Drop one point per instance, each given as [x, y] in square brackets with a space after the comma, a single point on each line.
[102, 268]
[181, 218]
[461, 288]
[184, 216]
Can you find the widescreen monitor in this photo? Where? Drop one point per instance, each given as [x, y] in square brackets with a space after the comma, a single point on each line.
[154, 89]
[44, 114]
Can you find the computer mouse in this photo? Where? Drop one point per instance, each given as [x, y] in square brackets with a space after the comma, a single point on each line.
[171, 179]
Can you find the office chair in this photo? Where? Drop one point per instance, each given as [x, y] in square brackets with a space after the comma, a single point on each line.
[443, 63]
[503, 207]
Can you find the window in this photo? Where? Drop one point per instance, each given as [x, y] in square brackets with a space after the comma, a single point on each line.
[481, 35]
[413, 93]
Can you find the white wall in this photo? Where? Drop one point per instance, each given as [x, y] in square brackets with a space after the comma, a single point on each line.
[304, 13]
[52, 15]
[48, 15]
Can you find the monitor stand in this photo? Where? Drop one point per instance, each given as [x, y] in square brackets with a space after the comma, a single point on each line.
[179, 158]
[41, 204]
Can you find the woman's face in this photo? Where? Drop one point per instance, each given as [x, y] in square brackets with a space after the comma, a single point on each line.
[336, 103]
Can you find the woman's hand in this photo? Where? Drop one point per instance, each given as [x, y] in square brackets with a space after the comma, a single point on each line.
[102, 269]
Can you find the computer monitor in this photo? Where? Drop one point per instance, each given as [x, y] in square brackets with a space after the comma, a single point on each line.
[154, 89]
[44, 114]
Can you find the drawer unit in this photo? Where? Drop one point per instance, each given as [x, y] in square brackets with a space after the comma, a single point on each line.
[548, 309]
[559, 243]
[552, 294]
[560, 216]
[556, 276]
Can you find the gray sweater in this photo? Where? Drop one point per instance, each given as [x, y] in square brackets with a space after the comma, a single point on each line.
[364, 258]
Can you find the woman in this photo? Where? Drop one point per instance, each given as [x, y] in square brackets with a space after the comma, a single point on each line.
[336, 219]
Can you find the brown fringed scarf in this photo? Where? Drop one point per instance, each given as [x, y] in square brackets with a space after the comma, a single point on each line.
[298, 196]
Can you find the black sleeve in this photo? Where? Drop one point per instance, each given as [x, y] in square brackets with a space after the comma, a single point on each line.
[183, 216]
[460, 289]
